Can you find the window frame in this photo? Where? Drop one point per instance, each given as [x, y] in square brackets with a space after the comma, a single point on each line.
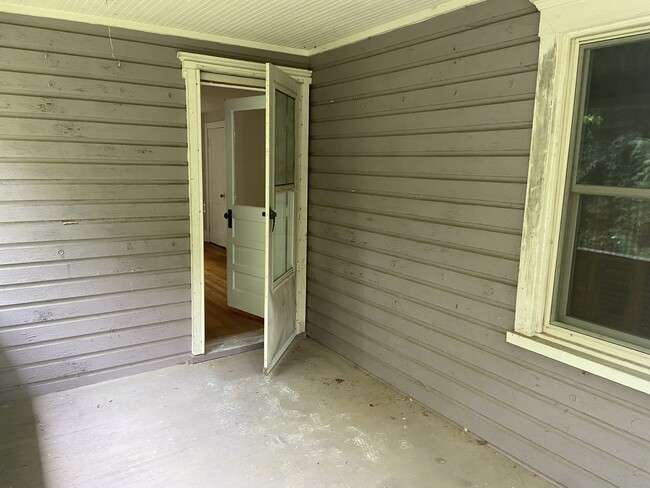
[565, 30]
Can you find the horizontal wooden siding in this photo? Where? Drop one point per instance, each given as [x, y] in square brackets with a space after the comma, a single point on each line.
[94, 227]
[419, 156]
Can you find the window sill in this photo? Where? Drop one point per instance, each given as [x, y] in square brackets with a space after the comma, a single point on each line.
[616, 363]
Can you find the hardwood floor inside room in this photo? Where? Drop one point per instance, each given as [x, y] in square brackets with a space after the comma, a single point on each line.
[220, 319]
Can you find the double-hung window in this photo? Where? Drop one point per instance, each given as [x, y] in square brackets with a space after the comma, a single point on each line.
[603, 285]
[584, 282]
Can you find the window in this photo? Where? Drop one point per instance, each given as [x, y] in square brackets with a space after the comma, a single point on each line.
[604, 280]
[583, 296]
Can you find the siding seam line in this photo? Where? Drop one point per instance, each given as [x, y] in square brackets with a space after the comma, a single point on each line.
[85, 298]
[464, 129]
[512, 15]
[476, 51]
[420, 176]
[427, 284]
[453, 269]
[408, 298]
[488, 75]
[470, 103]
[92, 335]
[429, 220]
[437, 243]
[82, 318]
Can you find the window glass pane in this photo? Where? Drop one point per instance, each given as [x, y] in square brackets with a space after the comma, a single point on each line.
[282, 235]
[615, 145]
[615, 225]
[610, 279]
[285, 147]
[249, 140]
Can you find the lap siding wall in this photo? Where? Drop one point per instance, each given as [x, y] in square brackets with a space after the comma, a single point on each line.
[419, 157]
[94, 227]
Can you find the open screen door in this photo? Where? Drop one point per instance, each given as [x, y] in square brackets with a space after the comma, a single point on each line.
[245, 190]
[282, 109]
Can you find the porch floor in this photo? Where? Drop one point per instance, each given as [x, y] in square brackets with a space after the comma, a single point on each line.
[316, 422]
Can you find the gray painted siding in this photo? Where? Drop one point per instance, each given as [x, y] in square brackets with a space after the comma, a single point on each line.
[94, 228]
[419, 156]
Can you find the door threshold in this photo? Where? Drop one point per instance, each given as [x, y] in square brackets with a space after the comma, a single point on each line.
[228, 346]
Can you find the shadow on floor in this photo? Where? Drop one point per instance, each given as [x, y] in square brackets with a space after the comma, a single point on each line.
[20, 456]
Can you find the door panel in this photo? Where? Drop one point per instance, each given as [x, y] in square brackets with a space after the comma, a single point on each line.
[216, 169]
[282, 106]
[245, 196]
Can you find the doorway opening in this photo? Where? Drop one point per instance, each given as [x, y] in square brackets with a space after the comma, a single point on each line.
[281, 223]
[233, 173]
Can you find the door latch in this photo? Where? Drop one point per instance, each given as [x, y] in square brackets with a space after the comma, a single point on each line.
[273, 216]
[228, 217]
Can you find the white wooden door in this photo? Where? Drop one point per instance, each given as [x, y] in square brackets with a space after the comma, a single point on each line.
[215, 154]
[245, 197]
[282, 117]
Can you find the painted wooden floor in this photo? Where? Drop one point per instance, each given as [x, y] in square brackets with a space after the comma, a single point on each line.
[221, 320]
[317, 422]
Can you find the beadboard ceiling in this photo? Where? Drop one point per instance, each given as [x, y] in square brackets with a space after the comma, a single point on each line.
[303, 27]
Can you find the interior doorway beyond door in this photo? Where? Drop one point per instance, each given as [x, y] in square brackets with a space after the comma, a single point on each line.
[221, 321]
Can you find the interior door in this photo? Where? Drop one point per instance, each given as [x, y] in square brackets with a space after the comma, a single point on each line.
[282, 109]
[245, 195]
[215, 142]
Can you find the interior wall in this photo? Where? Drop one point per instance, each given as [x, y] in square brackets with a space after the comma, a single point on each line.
[212, 110]
[419, 155]
[212, 98]
[94, 228]
[250, 159]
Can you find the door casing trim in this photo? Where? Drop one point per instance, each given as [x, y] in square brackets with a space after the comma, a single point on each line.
[244, 73]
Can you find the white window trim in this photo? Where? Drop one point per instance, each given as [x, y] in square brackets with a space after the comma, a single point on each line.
[564, 26]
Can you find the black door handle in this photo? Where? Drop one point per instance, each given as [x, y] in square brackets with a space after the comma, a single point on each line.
[228, 217]
[273, 216]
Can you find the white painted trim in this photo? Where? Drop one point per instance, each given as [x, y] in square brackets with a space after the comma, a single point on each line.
[195, 172]
[278, 291]
[616, 363]
[236, 67]
[208, 197]
[578, 17]
[441, 9]
[565, 26]
[301, 205]
[193, 64]
[145, 27]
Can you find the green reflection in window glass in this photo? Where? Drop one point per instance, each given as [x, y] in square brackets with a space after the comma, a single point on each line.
[615, 145]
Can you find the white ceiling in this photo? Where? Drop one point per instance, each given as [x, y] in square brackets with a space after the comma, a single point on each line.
[302, 27]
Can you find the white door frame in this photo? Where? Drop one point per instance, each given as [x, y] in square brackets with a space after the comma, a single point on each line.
[208, 167]
[235, 73]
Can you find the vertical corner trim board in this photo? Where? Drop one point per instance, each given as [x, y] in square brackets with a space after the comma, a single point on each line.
[94, 222]
[419, 158]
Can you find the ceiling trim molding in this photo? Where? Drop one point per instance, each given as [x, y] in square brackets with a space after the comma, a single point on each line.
[144, 27]
[415, 18]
